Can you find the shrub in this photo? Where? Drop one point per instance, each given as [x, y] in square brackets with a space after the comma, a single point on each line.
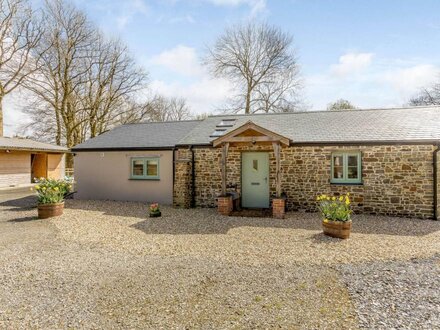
[51, 191]
[336, 208]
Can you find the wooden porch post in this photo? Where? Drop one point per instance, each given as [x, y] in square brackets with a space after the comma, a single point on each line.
[276, 149]
[224, 161]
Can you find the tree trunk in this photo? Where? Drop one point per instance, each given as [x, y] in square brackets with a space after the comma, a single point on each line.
[247, 110]
[1, 114]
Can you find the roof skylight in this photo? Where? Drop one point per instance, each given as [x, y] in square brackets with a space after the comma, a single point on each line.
[227, 122]
[218, 132]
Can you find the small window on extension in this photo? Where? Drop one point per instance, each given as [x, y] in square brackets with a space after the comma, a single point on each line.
[144, 168]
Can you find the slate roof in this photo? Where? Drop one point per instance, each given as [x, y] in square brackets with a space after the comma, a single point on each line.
[419, 124]
[7, 143]
[140, 136]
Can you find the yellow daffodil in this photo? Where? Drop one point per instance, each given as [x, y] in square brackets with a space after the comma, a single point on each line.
[341, 198]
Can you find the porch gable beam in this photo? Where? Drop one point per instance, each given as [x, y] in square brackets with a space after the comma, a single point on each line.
[276, 149]
[266, 135]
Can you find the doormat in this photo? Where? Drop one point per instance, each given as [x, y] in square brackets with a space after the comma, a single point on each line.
[253, 213]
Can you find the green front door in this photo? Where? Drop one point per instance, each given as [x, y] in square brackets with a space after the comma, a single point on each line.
[255, 179]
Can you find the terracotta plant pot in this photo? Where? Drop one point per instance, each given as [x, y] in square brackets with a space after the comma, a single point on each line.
[338, 229]
[155, 214]
[50, 210]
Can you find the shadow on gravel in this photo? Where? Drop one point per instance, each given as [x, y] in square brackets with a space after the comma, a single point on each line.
[200, 222]
[24, 219]
[205, 224]
[207, 221]
[19, 204]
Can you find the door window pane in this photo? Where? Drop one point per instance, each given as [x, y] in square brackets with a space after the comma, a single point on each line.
[255, 164]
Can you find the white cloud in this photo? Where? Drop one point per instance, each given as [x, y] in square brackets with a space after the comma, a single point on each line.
[182, 19]
[368, 84]
[256, 6]
[202, 93]
[13, 117]
[130, 9]
[352, 63]
[181, 59]
[407, 81]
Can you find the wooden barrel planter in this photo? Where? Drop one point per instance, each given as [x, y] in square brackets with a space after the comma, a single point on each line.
[50, 210]
[338, 229]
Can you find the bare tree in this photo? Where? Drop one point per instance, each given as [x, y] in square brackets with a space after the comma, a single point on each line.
[20, 33]
[428, 96]
[60, 81]
[280, 94]
[113, 78]
[169, 109]
[260, 61]
[201, 116]
[86, 83]
[340, 104]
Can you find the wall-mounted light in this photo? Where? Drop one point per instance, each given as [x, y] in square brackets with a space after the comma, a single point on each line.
[8, 151]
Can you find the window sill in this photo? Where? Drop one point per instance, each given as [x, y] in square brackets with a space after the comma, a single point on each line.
[347, 183]
[144, 179]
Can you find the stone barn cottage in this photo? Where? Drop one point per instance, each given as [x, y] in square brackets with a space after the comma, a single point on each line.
[386, 158]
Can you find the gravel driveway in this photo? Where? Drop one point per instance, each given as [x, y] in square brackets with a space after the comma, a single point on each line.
[105, 265]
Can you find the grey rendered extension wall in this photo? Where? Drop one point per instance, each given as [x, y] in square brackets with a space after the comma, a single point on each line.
[106, 176]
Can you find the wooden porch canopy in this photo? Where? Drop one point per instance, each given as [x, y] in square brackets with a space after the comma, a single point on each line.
[254, 134]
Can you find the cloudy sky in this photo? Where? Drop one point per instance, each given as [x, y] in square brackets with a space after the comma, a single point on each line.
[374, 53]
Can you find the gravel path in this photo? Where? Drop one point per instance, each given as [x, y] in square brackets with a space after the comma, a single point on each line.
[105, 265]
[253, 241]
[389, 295]
[52, 282]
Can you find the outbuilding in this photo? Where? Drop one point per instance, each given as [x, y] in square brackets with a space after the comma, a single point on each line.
[22, 160]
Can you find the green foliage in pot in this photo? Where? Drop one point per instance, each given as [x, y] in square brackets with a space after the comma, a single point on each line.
[50, 191]
[335, 208]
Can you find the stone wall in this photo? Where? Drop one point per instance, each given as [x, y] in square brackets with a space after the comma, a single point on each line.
[397, 180]
[438, 185]
[182, 193]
